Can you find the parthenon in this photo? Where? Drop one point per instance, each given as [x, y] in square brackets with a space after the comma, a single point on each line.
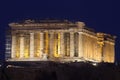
[58, 40]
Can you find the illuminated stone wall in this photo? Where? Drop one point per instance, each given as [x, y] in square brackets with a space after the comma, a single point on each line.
[90, 47]
[108, 52]
[59, 41]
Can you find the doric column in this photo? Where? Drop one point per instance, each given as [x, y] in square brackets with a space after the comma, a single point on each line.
[22, 46]
[31, 45]
[80, 45]
[62, 47]
[13, 52]
[58, 44]
[71, 44]
[51, 43]
[41, 43]
[46, 43]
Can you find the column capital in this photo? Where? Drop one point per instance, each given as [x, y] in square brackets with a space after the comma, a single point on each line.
[80, 32]
[31, 33]
[72, 32]
[51, 32]
[22, 35]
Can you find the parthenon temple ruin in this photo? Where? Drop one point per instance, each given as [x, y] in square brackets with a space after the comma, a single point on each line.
[58, 40]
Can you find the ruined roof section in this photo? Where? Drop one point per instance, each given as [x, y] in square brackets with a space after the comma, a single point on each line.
[106, 37]
[46, 24]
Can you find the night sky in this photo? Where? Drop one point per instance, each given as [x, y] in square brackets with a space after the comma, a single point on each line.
[100, 15]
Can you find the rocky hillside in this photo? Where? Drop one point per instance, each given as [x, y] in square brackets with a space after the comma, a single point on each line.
[60, 71]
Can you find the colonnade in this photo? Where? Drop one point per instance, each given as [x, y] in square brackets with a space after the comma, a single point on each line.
[50, 43]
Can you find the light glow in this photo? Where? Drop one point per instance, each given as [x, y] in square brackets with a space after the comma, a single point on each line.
[94, 64]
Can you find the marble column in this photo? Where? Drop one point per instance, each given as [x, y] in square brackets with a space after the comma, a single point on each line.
[22, 46]
[13, 51]
[59, 50]
[46, 43]
[46, 46]
[51, 44]
[41, 43]
[62, 47]
[80, 45]
[71, 44]
[31, 45]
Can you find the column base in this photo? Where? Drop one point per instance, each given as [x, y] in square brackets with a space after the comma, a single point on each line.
[44, 56]
[28, 59]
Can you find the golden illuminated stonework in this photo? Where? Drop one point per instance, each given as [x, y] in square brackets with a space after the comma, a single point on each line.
[56, 40]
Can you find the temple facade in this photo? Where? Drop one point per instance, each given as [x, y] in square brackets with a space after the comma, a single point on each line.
[56, 40]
